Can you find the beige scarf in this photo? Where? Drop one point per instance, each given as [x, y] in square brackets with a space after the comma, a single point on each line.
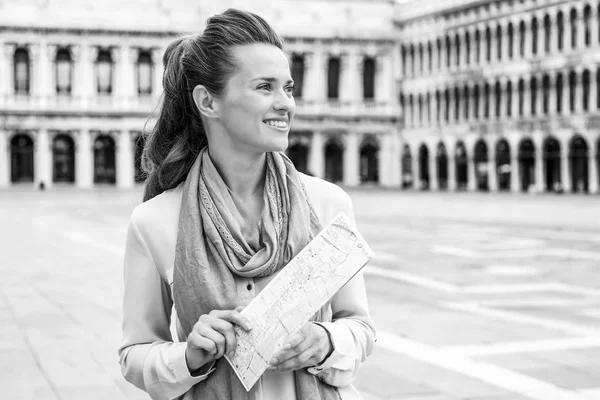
[213, 259]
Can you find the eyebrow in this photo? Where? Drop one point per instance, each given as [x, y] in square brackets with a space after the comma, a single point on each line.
[270, 80]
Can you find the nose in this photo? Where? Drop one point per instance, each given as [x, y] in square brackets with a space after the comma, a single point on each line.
[283, 101]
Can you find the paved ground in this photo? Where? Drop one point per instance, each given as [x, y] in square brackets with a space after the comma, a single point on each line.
[475, 296]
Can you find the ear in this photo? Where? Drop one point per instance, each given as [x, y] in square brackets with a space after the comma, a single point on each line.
[204, 101]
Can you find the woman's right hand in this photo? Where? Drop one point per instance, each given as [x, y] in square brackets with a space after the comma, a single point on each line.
[212, 337]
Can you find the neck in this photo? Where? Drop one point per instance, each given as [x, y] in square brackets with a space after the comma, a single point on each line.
[243, 174]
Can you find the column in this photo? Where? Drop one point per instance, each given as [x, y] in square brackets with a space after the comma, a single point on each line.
[415, 168]
[434, 54]
[539, 166]
[451, 167]
[42, 159]
[578, 91]
[594, 27]
[592, 99]
[426, 59]
[580, 31]
[567, 29]
[43, 71]
[471, 111]
[553, 33]
[526, 96]
[316, 160]
[503, 98]
[593, 169]
[515, 186]
[385, 162]
[434, 109]
[4, 159]
[316, 82]
[505, 41]
[384, 74]
[350, 80]
[473, 45]
[351, 160]
[418, 66]
[494, 46]
[492, 176]
[514, 101]
[433, 178]
[565, 167]
[552, 96]
[84, 57]
[125, 57]
[539, 97]
[6, 79]
[492, 100]
[125, 160]
[443, 54]
[84, 160]
[471, 179]
[528, 39]
[157, 71]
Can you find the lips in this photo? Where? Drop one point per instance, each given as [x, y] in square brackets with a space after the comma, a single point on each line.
[277, 123]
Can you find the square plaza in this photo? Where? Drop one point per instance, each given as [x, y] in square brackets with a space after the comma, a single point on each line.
[474, 296]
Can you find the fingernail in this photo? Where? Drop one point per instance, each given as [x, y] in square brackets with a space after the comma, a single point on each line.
[273, 361]
[230, 355]
[287, 346]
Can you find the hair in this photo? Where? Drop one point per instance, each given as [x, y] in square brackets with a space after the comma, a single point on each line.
[197, 59]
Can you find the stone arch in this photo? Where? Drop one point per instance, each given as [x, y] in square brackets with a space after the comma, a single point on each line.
[63, 159]
[551, 156]
[480, 163]
[21, 158]
[578, 163]
[104, 159]
[369, 160]
[423, 167]
[334, 160]
[441, 163]
[527, 164]
[503, 168]
[461, 165]
[407, 169]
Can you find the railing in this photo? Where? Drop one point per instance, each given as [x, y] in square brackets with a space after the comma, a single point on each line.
[347, 108]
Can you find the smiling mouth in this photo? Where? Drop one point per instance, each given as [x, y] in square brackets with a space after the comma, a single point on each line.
[279, 125]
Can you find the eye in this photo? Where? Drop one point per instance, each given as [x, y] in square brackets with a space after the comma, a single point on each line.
[289, 89]
[264, 86]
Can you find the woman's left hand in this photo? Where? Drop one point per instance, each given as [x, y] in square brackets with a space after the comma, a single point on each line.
[303, 349]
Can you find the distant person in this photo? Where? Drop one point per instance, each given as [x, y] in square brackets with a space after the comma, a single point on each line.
[224, 211]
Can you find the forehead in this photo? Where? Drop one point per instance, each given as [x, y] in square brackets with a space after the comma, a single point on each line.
[260, 60]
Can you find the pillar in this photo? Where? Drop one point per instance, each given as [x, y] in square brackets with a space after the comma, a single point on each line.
[539, 166]
[473, 45]
[316, 82]
[384, 74]
[350, 80]
[84, 160]
[593, 97]
[593, 169]
[578, 91]
[526, 96]
[567, 29]
[351, 160]
[434, 109]
[565, 167]
[385, 161]
[434, 55]
[494, 46]
[157, 71]
[594, 27]
[514, 101]
[42, 159]
[528, 39]
[415, 167]
[316, 160]
[4, 159]
[6, 57]
[451, 166]
[553, 33]
[43, 71]
[539, 97]
[515, 183]
[471, 179]
[505, 42]
[433, 178]
[552, 96]
[84, 57]
[125, 160]
[492, 176]
[580, 44]
[492, 100]
[503, 97]
[125, 58]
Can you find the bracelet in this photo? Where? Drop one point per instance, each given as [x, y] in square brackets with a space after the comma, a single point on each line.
[331, 346]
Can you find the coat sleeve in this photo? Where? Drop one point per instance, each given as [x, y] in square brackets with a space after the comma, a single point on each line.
[351, 329]
[149, 357]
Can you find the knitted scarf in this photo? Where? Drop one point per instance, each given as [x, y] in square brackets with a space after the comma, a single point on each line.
[213, 259]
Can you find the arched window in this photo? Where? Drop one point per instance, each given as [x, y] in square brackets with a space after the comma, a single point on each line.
[468, 47]
[521, 94]
[457, 46]
[104, 71]
[499, 39]
[22, 71]
[446, 105]
[572, 90]
[411, 107]
[448, 51]
[437, 106]
[498, 99]
[411, 58]
[534, 36]
[420, 109]
[545, 94]
[587, 29]
[476, 101]
[334, 160]
[511, 40]
[333, 78]
[104, 160]
[442, 166]
[585, 86]
[423, 167]
[63, 159]
[298, 72]
[486, 101]
[559, 93]
[477, 47]
[144, 73]
[488, 44]
[63, 71]
[503, 169]
[428, 108]
[547, 33]
[439, 54]
[421, 58]
[533, 94]
[369, 160]
[573, 23]
[21, 158]
[429, 57]
[402, 108]
[402, 56]
[508, 94]
[466, 101]
[560, 30]
[522, 33]
[369, 78]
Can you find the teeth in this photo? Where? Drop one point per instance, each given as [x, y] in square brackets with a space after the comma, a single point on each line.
[278, 124]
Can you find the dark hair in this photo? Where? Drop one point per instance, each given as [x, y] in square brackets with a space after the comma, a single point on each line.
[198, 59]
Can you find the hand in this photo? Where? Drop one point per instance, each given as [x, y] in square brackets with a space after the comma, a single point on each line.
[305, 348]
[212, 336]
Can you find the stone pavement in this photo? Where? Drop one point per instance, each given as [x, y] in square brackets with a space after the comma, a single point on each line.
[475, 296]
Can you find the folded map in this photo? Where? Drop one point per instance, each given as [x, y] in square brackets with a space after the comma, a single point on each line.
[296, 293]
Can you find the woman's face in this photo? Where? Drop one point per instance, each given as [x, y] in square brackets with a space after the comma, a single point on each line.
[257, 106]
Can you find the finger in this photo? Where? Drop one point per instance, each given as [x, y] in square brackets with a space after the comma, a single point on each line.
[234, 317]
[198, 342]
[208, 332]
[307, 358]
[226, 329]
[288, 353]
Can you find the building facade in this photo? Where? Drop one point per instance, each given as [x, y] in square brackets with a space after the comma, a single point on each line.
[78, 97]
[500, 95]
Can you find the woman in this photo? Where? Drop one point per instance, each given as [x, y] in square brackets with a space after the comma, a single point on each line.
[224, 210]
